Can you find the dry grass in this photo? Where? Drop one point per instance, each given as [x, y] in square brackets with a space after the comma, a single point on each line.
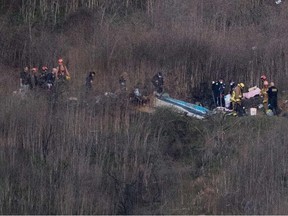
[67, 157]
[70, 159]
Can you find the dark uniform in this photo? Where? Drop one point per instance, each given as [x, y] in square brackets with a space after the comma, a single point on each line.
[220, 99]
[218, 89]
[50, 79]
[42, 79]
[158, 82]
[272, 99]
[215, 91]
[25, 78]
[138, 96]
[89, 81]
[232, 86]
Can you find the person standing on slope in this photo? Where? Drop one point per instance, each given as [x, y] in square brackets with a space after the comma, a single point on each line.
[158, 82]
[50, 78]
[272, 98]
[62, 71]
[263, 79]
[221, 94]
[264, 94]
[34, 78]
[89, 81]
[25, 80]
[236, 100]
[232, 86]
[42, 76]
[214, 87]
[123, 82]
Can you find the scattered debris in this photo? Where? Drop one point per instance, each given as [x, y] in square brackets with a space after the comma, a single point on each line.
[278, 2]
[73, 99]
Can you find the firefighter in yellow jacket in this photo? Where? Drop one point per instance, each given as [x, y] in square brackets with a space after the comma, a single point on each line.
[236, 100]
[264, 94]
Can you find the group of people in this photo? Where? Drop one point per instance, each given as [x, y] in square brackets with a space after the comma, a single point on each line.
[139, 93]
[268, 92]
[32, 79]
[218, 92]
[47, 79]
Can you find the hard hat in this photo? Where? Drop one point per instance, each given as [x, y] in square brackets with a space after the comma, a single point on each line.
[263, 77]
[44, 68]
[241, 85]
[60, 60]
[265, 83]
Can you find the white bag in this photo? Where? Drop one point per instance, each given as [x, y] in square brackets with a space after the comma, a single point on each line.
[227, 99]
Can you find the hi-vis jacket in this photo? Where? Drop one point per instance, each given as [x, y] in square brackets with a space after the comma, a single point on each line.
[236, 94]
[264, 94]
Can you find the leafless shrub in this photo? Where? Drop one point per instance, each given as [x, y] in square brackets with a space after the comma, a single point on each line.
[65, 157]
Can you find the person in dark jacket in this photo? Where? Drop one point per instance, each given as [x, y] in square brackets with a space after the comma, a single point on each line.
[158, 82]
[50, 78]
[42, 77]
[232, 86]
[25, 79]
[272, 98]
[221, 94]
[218, 90]
[89, 81]
[214, 92]
[137, 96]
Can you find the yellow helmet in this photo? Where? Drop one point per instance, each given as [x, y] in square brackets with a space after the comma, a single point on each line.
[241, 85]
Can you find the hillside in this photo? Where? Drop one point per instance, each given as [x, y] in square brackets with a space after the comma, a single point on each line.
[62, 156]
